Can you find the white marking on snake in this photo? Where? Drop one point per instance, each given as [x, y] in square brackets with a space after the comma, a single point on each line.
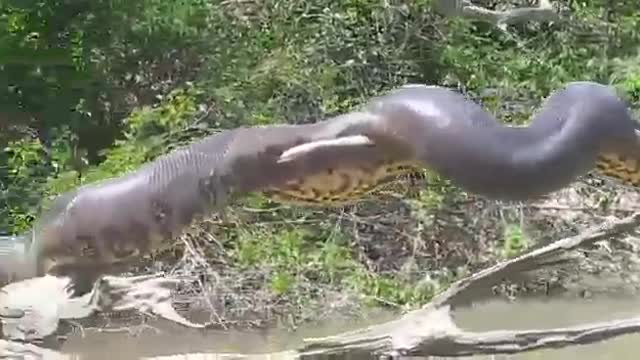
[300, 150]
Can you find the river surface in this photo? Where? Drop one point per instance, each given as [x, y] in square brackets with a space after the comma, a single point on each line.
[168, 339]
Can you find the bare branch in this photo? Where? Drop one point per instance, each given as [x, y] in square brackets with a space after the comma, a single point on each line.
[544, 12]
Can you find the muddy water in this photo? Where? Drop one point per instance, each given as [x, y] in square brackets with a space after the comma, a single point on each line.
[548, 313]
[491, 315]
[170, 339]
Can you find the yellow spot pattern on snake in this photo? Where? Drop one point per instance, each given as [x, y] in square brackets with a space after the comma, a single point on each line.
[624, 169]
[339, 186]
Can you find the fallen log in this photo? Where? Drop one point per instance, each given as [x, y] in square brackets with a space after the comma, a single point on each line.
[429, 331]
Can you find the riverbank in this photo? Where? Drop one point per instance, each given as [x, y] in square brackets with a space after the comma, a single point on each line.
[269, 265]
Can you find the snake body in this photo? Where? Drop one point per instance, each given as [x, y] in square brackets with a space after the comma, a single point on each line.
[581, 127]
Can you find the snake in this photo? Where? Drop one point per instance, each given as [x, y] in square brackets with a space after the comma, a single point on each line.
[581, 127]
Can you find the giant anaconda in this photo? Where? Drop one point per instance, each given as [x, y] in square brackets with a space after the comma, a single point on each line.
[581, 127]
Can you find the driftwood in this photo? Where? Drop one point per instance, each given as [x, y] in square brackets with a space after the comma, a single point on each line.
[429, 331]
[26, 317]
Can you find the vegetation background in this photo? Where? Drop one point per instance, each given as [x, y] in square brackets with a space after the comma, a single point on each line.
[92, 89]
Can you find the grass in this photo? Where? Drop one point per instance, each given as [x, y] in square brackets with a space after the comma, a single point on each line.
[515, 241]
[301, 264]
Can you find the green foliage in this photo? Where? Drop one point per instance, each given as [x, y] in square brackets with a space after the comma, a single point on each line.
[146, 132]
[78, 67]
[530, 62]
[176, 112]
[514, 241]
[295, 258]
[293, 254]
[68, 74]
[24, 174]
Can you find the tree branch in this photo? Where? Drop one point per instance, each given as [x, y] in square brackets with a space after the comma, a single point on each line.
[544, 12]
